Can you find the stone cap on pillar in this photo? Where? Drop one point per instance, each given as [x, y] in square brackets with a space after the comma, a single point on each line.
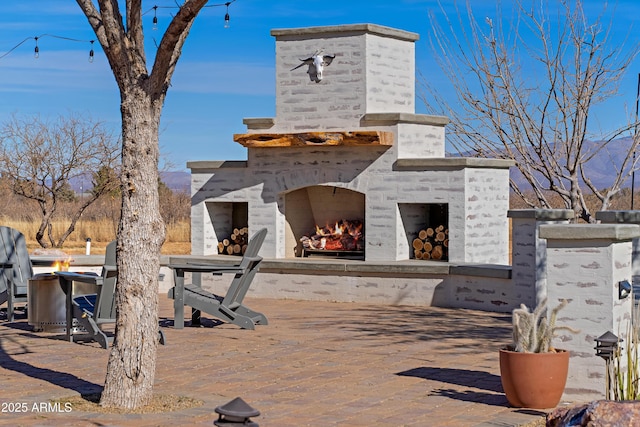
[613, 232]
[542, 214]
[619, 217]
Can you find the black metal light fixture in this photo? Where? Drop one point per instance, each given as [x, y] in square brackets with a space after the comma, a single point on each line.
[607, 347]
[236, 413]
[607, 344]
[624, 289]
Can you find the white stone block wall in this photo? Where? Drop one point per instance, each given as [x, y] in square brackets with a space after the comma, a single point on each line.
[486, 197]
[625, 217]
[585, 265]
[373, 71]
[529, 251]
[419, 141]
[476, 198]
[211, 197]
[390, 76]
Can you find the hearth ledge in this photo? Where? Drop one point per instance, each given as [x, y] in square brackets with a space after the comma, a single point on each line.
[379, 119]
[329, 266]
[452, 163]
[203, 165]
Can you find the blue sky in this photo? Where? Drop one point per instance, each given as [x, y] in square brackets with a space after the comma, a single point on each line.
[224, 74]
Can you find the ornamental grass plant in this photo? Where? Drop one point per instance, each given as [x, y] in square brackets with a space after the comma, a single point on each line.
[533, 331]
[624, 368]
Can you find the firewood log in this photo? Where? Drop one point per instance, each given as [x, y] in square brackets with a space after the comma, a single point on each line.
[437, 252]
[422, 235]
[418, 244]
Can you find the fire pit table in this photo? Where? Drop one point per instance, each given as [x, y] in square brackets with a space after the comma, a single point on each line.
[47, 303]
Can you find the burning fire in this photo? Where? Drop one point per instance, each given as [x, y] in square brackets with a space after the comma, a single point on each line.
[62, 265]
[344, 235]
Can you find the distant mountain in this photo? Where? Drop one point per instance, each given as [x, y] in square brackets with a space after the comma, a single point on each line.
[175, 180]
[600, 169]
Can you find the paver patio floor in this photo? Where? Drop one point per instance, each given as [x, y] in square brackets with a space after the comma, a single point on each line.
[315, 364]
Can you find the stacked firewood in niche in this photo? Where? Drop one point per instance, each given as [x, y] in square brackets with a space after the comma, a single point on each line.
[432, 243]
[236, 244]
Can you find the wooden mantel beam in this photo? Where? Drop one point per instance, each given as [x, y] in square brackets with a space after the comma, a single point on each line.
[314, 139]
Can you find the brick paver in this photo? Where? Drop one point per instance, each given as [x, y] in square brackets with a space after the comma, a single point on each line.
[315, 364]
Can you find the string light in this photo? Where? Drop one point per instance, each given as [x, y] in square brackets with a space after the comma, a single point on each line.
[155, 18]
[226, 15]
[36, 50]
[156, 7]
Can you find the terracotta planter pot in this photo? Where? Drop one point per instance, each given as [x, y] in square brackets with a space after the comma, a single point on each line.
[534, 380]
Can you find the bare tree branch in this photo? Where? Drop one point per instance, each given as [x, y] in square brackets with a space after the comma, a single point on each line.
[42, 157]
[539, 118]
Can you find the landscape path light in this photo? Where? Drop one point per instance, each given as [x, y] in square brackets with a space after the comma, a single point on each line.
[236, 413]
[607, 347]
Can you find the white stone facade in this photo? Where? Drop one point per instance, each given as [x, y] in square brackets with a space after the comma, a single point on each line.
[370, 85]
[373, 72]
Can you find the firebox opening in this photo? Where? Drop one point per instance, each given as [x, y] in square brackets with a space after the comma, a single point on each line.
[230, 225]
[426, 227]
[312, 209]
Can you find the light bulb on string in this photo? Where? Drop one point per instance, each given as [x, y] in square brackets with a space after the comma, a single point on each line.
[91, 52]
[226, 15]
[36, 51]
[155, 18]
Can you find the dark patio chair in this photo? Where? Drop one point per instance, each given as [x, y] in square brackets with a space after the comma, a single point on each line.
[95, 309]
[15, 268]
[229, 308]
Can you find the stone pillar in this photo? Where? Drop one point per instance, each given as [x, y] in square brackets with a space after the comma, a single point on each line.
[625, 217]
[528, 251]
[586, 263]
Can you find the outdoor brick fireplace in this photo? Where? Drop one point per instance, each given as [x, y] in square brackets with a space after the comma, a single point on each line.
[350, 147]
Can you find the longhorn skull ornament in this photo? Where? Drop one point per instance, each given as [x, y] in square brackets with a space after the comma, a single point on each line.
[316, 63]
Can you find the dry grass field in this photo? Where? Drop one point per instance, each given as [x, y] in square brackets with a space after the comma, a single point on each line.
[99, 221]
[101, 232]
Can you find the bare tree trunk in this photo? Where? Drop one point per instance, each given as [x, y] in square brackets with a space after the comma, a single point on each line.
[131, 369]
[130, 374]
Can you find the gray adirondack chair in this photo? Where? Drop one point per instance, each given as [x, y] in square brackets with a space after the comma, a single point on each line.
[16, 269]
[95, 309]
[229, 308]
